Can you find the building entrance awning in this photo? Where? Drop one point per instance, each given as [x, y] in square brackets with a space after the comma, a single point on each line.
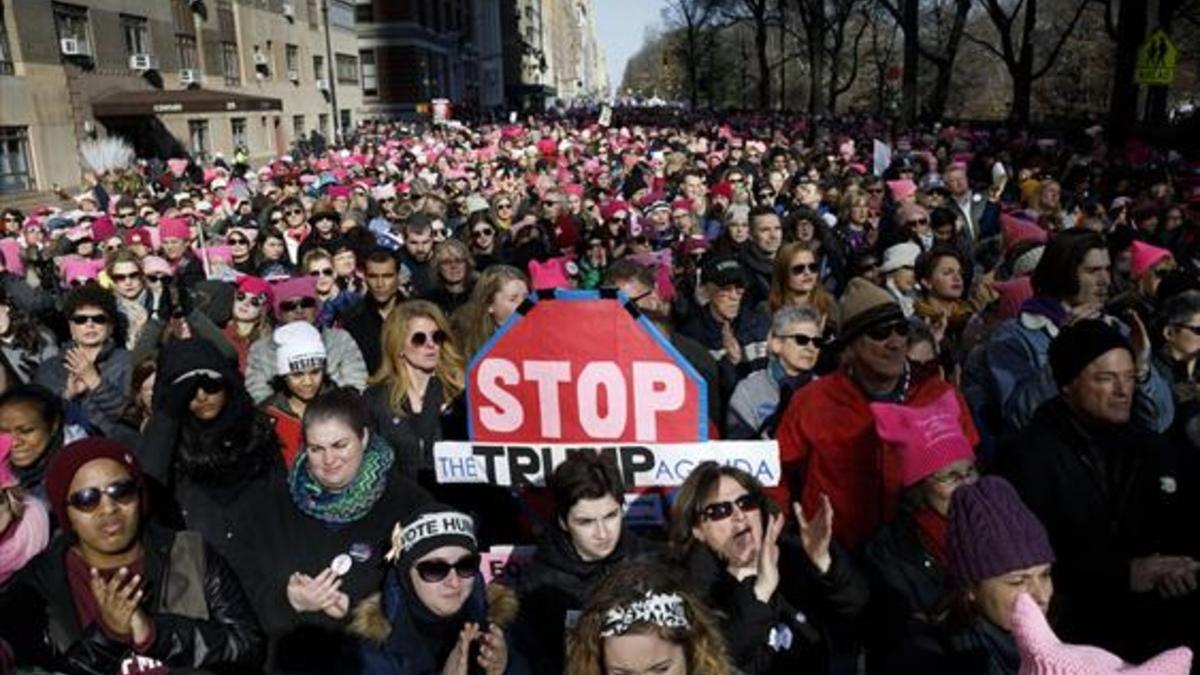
[183, 101]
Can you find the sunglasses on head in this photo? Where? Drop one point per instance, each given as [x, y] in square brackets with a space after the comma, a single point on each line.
[83, 319]
[803, 340]
[433, 571]
[324, 272]
[123, 492]
[257, 299]
[717, 511]
[438, 337]
[810, 268]
[885, 331]
[298, 303]
[119, 278]
[161, 278]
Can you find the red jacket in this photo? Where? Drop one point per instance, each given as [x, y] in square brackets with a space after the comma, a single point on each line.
[828, 445]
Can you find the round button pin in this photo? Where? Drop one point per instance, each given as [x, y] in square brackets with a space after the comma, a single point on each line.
[341, 565]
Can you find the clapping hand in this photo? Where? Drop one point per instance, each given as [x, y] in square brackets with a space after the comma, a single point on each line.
[817, 534]
[81, 368]
[117, 599]
[767, 574]
[320, 594]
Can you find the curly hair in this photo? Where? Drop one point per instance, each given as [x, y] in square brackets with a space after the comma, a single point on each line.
[93, 295]
[703, 646]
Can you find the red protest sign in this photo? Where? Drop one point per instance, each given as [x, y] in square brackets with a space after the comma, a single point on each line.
[578, 367]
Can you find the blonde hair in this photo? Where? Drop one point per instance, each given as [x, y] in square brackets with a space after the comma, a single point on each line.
[450, 370]
[702, 644]
[474, 322]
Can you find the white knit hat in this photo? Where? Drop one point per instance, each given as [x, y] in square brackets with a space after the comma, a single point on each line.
[904, 254]
[298, 346]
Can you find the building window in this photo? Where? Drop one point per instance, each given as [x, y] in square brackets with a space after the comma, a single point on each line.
[186, 46]
[297, 126]
[292, 57]
[364, 12]
[198, 138]
[72, 23]
[230, 63]
[347, 68]
[6, 62]
[319, 68]
[323, 124]
[366, 63]
[345, 120]
[14, 160]
[311, 7]
[237, 129]
[137, 34]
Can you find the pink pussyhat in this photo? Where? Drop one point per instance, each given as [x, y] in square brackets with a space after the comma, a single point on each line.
[7, 477]
[1042, 653]
[1145, 257]
[902, 189]
[927, 438]
[548, 275]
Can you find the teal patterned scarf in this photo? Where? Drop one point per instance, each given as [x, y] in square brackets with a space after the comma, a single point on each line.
[352, 503]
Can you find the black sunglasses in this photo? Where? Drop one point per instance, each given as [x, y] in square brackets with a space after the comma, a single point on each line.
[803, 340]
[484, 232]
[1194, 330]
[420, 339]
[162, 278]
[83, 319]
[717, 511]
[917, 221]
[210, 384]
[433, 571]
[238, 241]
[326, 272]
[257, 299]
[118, 278]
[811, 268]
[299, 303]
[123, 492]
[887, 330]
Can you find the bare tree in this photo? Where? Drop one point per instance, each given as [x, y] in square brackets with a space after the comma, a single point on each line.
[693, 18]
[883, 51]
[1016, 42]
[760, 16]
[844, 12]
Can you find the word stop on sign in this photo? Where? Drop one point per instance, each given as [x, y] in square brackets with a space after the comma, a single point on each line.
[601, 398]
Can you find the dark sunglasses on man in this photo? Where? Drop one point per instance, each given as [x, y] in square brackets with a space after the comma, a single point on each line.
[84, 319]
[123, 492]
[887, 330]
[718, 511]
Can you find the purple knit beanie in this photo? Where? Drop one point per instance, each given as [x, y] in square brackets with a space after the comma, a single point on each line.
[991, 532]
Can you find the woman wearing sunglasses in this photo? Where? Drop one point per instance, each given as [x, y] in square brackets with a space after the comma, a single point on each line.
[92, 371]
[415, 396]
[241, 240]
[434, 614]
[134, 302]
[107, 593]
[796, 282]
[783, 599]
[206, 441]
[321, 546]
[483, 240]
[250, 319]
[640, 621]
[794, 344]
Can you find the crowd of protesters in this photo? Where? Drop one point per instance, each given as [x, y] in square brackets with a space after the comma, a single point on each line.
[221, 384]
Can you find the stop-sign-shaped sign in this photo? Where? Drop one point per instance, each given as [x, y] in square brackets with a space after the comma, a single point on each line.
[580, 367]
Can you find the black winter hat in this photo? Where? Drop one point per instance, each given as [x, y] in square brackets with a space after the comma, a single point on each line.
[1081, 343]
[427, 528]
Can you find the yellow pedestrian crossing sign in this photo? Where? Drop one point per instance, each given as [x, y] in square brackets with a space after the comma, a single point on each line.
[1156, 60]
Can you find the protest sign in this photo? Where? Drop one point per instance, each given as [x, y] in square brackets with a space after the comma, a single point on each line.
[505, 563]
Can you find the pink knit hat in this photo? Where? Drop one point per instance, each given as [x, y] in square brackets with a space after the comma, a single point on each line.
[1042, 653]
[153, 264]
[81, 269]
[1013, 293]
[549, 274]
[7, 478]
[174, 228]
[296, 287]
[902, 189]
[927, 438]
[1014, 231]
[1146, 256]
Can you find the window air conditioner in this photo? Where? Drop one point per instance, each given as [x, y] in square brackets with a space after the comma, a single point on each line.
[293, 75]
[72, 47]
[190, 76]
[323, 84]
[289, 11]
[143, 62]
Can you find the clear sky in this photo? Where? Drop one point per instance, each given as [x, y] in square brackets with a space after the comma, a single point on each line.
[622, 24]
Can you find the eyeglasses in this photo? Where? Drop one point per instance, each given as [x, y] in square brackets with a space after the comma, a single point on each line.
[875, 190]
[434, 571]
[160, 278]
[120, 278]
[483, 232]
[454, 261]
[802, 268]
[438, 337]
[84, 319]
[257, 299]
[504, 205]
[803, 340]
[294, 212]
[718, 511]
[238, 241]
[887, 330]
[210, 384]
[323, 272]
[127, 214]
[123, 492]
[299, 303]
[956, 477]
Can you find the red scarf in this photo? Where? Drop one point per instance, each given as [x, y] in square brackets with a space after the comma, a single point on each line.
[931, 527]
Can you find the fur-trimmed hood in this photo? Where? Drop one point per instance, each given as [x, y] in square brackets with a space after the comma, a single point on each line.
[372, 621]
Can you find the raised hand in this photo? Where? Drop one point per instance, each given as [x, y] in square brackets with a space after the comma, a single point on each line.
[768, 560]
[493, 651]
[459, 660]
[82, 367]
[817, 534]
[117, 599]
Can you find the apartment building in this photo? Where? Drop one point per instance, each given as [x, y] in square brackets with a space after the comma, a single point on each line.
[171, 76]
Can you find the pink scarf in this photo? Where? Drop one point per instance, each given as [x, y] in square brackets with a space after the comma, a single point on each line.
[24, 539]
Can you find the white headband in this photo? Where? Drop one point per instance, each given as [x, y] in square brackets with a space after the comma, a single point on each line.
[427, 526]
[660, 609]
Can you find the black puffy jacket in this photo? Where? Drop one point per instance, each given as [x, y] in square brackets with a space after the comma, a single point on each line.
[201, 617]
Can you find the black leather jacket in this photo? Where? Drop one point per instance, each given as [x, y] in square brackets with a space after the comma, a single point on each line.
[205, 624]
